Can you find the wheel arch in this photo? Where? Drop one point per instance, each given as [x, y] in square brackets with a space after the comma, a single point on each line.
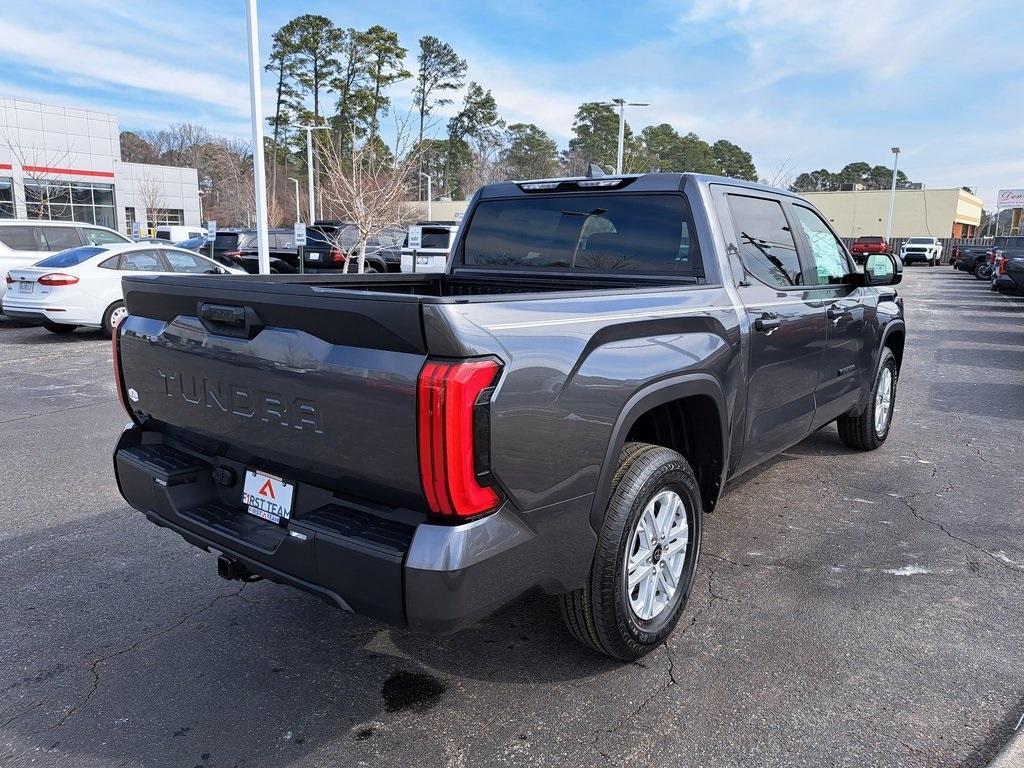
[672, 413]
[894, 337]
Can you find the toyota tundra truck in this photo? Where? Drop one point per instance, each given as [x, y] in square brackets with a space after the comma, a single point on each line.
[557, 412]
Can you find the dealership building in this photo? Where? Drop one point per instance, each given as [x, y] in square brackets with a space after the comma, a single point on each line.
[65, 163]
[916, 212]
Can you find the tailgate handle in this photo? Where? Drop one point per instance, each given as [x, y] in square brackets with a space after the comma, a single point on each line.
[227, 320]
[219, 314]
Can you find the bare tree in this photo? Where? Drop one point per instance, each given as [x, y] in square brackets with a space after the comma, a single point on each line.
[49, 200]
[150, 192]
[367, 186]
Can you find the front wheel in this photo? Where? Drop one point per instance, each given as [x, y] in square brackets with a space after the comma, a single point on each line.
[646, 557]
[868, 430]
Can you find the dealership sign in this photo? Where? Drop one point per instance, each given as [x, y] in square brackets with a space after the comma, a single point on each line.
[1011, 198]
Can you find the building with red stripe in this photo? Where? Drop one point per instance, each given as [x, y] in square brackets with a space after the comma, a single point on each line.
[65, 163]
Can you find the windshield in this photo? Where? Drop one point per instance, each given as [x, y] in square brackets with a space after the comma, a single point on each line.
[921, 241]
[70, 257]
[595, 233]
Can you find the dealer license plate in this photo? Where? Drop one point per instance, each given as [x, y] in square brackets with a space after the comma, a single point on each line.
[267, 496]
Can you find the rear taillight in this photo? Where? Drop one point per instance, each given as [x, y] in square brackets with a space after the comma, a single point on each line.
[9, 279]
[233, 255]
[57, 278]
[453, 412]
[115, 349]
[1002, 261]
[337, 255]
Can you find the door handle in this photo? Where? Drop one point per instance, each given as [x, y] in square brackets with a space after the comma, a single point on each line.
[837, 312]
[767, 323]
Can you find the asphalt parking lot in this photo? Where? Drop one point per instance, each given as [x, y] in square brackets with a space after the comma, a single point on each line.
[854, 609]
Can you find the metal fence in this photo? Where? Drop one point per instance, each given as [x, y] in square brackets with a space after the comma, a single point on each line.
[947, 244]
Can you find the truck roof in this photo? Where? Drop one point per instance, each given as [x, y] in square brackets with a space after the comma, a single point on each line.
[636, 182]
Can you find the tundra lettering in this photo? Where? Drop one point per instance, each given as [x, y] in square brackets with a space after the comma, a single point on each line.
[300, 413]
[557, 412]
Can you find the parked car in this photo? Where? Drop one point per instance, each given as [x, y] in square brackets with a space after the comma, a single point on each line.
[555, 412]
[329, 246]
[428, 245]
[972, 258]
[1002, 277]
[176, 233]
[26, 241]
[1013, 268]
[237, 247]
[82, 286]
[863, 247]
[926, 249]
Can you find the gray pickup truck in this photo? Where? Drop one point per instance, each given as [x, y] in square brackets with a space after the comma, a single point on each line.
[556, 412]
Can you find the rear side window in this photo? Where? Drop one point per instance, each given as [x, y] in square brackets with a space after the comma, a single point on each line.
[766, 243]
[70, 258]
[22, 238]
[618, 233]
[60, 238]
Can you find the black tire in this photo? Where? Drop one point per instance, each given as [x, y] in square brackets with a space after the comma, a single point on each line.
[599, 614]
[858, 431]
[59, 328]
[979, 272]
[108, 325]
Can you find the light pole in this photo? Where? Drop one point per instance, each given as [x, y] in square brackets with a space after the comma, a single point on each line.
[309, 165]
[622, 104]
[259, 164]
[892, 194]
[298, 216]
[430, 195]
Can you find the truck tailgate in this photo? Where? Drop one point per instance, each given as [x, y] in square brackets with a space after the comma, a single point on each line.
[305, 382]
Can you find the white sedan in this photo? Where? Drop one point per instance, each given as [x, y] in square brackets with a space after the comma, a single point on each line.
[82, 286]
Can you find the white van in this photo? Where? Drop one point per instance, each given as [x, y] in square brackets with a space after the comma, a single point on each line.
[23, 242]
[428, 246]
[177, 233]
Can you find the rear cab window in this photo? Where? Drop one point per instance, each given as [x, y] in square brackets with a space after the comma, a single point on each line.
[628, 234]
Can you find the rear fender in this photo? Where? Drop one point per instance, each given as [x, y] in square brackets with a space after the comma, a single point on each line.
[659, 393]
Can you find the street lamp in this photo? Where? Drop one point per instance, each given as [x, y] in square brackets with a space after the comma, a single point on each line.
[298, 217]
[309, 165]
[259, 163]
[892, 194]
[430, 195]
[622, 104]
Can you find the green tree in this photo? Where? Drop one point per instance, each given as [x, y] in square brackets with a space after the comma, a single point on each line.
[316, 42]
[441, 71]
[385, 67]
[661, 148]
[595, 135]
[350, 84]
[477, 120]
[283, 64]
[530, 153]
[733, 161]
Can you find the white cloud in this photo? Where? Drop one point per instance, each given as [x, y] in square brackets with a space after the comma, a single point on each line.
[65, 53]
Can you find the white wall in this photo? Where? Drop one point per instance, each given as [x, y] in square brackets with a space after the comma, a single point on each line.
[179, 190]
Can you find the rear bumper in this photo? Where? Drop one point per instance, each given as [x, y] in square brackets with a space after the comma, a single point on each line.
[33, 312]
[380, 562]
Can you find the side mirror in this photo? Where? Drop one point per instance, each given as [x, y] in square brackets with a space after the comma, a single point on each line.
[882, 269]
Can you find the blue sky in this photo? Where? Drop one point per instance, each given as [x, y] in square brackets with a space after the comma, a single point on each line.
[802, 85]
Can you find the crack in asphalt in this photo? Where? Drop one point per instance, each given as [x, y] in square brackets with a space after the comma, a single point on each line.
[994, 557]
[94, 666]
[21, 714]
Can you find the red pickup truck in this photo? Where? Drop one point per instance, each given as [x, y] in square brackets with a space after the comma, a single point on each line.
[863, 247]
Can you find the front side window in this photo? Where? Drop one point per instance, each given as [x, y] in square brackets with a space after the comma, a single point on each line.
[186, 262]
[830, 263]
[616, 233]
[766, 243]
[102, 237]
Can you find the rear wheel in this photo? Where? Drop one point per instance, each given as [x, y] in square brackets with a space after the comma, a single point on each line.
[113, 317]
[61, 329]
[646, 558]
[869, 429]
[979, 272]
